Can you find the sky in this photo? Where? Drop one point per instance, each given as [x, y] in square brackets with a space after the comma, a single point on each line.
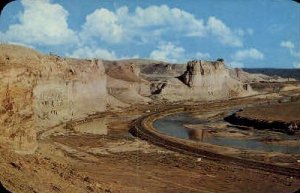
[245, 33]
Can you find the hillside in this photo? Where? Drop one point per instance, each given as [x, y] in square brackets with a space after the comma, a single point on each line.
[275, 72]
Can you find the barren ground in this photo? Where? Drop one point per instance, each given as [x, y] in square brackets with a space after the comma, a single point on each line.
[286, 112]
[71, 161]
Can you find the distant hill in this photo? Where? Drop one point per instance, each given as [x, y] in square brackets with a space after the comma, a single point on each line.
[284, 73]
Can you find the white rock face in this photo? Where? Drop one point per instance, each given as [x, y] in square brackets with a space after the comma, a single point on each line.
[205, 80]
[39, 91]
[205, 74]
[61, 100]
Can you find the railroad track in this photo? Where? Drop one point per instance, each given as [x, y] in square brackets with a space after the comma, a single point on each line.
[139, 129]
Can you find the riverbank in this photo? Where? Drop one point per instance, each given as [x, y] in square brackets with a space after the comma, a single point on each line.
[283, 117]
[270, 161]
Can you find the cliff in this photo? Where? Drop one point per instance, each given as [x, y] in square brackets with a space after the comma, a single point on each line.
[125, 83]
[40, 91]
[205, 74]
[203, 80]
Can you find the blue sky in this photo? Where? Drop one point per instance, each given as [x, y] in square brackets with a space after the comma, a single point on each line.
[246, 33]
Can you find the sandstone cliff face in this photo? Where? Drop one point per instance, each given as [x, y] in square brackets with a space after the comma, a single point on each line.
[205, 80]
[79, 91]
[125, 84]
[205, 74]
[39, 91]
[17, 81]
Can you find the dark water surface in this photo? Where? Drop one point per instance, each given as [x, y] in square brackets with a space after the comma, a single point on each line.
[173, 125]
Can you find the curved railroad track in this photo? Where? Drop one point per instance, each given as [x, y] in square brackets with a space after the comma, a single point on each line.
[140, 128]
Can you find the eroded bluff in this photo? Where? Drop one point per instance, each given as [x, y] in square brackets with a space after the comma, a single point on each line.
[39, 91]
[202, 80]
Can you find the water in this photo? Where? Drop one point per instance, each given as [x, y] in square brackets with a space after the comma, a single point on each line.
[173, 125]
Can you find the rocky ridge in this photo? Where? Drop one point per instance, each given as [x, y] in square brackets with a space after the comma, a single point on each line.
[41, 91]
[203, 80]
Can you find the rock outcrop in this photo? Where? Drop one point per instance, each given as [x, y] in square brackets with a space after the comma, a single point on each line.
[39, 91]
[204, 80]
[125, 83]
[205, 74]
[79, 91]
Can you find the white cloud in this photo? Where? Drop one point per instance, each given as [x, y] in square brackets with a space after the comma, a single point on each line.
[165, 17]
[87, 52]
[142, 24]
[168, 52]
[223, 32]
[151, 23]
[296, 54]
[251, 53]
[291, 47]
[202, 56]
[41, 23]
[296, 64]
[103, 24]
[95, 52]
[287, 44]
[44, 23]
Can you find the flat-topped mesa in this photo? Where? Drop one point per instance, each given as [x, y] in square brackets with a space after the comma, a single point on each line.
[204, 73]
